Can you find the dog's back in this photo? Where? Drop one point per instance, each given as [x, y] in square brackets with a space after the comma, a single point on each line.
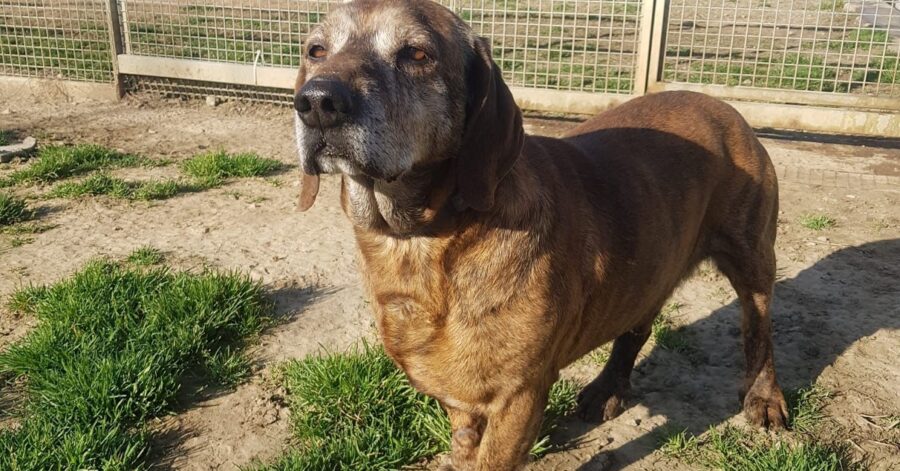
[654, 186]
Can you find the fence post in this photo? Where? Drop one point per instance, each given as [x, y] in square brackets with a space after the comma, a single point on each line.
[115, 43]
[645, 44]
[658, 44]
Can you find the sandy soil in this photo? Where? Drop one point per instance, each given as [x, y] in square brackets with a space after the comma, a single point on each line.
[837, 308]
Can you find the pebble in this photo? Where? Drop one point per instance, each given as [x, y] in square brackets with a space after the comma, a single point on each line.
[212, 101]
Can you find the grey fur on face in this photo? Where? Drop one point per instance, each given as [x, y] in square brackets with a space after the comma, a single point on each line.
[404, 113]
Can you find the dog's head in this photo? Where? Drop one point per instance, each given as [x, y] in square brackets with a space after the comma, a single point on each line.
[387, 86]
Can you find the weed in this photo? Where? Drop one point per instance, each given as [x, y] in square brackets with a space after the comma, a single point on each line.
[5, 137]
[358, 411]
[108, 354]
[145, 255]
[212, 168]
[817, 222]
[12, 209]
[55, 163]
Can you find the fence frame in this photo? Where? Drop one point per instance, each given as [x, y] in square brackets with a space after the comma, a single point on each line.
[808, 111]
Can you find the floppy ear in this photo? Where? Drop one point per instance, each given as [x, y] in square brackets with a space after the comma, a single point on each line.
[309, 182]
[493, 137]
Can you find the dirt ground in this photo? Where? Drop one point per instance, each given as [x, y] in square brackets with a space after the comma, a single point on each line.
[837, 307]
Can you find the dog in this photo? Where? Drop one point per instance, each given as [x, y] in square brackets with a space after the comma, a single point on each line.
[494, 259]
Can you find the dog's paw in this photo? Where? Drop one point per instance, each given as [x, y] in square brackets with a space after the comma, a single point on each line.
[764, 406]
[599, 401]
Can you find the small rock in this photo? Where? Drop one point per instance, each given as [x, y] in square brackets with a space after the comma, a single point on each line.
[637, 422]
[150, 131]
[6, 111]
[822, 239]
[851, 7]
[212, 101]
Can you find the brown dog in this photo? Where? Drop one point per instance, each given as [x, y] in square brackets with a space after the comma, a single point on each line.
[495, 259]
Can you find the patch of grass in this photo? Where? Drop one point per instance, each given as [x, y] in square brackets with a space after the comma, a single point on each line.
[805, 406]
[109, 353]
[733, 449]
[12, 209]
[20, 241]
[664, 333]
[5, 137]
[736, 450]
[95, 185]
[680, 444]
[358, 411]
[212, 168]
[145, 255]
[832, 5]
[159, 190]
[27, 228]
[599, 356]
[56, 163]
[105, 185]
[817, 222]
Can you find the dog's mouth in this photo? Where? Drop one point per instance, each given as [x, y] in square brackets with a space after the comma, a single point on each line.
[329, 154]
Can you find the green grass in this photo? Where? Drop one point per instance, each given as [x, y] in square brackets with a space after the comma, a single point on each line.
[806, 407]
[817, 222]
[213, 168]
[12, 209]
[5, 137]
[735, 450]
[103, 184]
[59, 162]
[664, 333]
[110, 352]
[145, 255]
[680, 444]
[358, 411]
[832, 5]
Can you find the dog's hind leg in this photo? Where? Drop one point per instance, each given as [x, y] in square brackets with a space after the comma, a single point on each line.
[604, 398]
[752, 274]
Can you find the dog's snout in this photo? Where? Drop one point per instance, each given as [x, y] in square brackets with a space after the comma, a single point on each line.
[323, 103]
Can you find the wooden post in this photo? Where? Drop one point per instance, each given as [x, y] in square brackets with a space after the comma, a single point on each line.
[116, 44]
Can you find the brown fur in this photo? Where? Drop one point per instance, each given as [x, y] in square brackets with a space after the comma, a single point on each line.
[494, 266]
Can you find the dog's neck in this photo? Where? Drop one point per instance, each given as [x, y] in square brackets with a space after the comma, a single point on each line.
[412, 204]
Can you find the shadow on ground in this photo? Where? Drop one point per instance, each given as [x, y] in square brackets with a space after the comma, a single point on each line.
[847, 296]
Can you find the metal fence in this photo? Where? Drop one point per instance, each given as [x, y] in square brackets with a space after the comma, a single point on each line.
[805, 45]
[565, 53]
[55, 38]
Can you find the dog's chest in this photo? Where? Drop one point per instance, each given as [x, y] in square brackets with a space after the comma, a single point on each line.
[444, 314]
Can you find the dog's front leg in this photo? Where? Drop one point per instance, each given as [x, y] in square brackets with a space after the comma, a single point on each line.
[466, 431]
[511, 430]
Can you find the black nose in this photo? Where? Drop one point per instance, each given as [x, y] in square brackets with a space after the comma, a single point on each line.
[323, 103]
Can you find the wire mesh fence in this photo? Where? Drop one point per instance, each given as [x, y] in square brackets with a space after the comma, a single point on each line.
[55, 39]
[808, 45]
[570, 45]
[586, 45]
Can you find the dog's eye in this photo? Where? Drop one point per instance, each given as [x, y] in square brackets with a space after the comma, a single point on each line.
[414, 54]
[317, 52]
